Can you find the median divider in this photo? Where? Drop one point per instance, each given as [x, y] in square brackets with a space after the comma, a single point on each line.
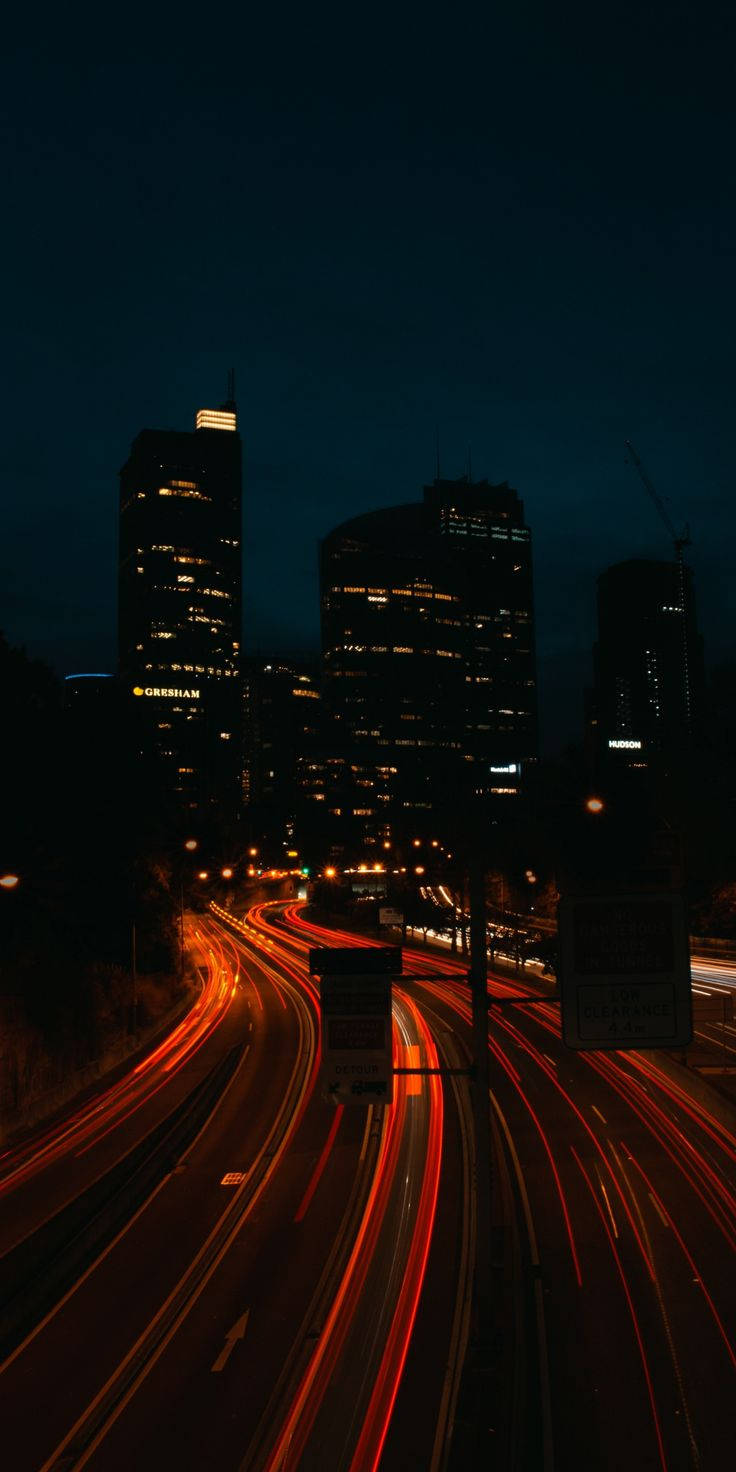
[37, 1272]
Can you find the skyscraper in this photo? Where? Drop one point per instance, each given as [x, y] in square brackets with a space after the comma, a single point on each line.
[281, 709]
[428, 657]
[180, 604]
[649, 674]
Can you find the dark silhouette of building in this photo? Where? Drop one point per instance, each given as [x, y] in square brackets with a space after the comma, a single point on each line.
[428, 659]
[180, 604]
[281, 733]
[649, 675]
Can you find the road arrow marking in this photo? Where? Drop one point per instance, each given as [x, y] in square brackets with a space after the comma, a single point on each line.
[231, 1338]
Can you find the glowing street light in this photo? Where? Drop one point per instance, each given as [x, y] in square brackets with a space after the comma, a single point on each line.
[595, 805]
[330, 873]
[419, 869]
[252, 852]
[191, 844]
[203, 874]
[227, 873]
[417, 842]
[9, 881]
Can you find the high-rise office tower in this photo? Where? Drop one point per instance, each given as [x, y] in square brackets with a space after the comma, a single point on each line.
[428, 657]
[281, 724]
[649, 673]
[180, 604]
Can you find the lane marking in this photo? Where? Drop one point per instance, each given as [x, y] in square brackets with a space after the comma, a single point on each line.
[231, 1339]
[658, 1209]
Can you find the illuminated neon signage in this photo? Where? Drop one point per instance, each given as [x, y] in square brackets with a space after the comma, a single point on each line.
[165, 690]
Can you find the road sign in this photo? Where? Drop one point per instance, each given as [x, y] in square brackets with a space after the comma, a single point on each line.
[357, 1053]
[387, 916]
[625, 971]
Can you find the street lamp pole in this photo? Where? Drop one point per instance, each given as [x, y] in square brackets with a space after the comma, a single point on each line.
[134, 978]
[478, 977]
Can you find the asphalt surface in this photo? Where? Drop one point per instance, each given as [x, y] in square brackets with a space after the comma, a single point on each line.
[314, 1312]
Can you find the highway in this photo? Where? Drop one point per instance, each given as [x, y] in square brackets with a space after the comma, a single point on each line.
[626, 1198]
[294, 1292]
[258, 1308]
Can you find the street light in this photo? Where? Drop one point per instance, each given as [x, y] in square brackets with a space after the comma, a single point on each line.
[9, 881]
[203, 874]
[330, 873]
[227, 873]
[191, 844]
[252, 852]
[595, 805]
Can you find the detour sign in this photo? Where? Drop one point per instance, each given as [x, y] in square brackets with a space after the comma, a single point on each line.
[625, 971]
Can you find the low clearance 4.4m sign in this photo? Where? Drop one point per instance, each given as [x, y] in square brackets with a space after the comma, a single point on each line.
[625, 971]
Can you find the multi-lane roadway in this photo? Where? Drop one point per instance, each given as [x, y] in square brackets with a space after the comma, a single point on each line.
[294, 1290]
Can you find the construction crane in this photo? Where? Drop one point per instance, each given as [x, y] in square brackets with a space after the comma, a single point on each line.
[679, 542]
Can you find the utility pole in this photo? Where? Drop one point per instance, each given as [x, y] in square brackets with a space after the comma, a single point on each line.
[181, 927]
[134, 979]
[478, 976]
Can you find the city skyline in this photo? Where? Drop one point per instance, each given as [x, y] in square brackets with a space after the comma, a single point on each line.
[515, 230]
[565, 645]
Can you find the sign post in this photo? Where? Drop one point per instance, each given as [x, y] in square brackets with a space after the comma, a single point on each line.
[355, 997]
[625, 971]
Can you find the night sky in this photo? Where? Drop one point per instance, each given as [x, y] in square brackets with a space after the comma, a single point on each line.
[514, 221]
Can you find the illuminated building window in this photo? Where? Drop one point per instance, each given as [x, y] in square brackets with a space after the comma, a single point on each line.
[216, 419]
[193, 495]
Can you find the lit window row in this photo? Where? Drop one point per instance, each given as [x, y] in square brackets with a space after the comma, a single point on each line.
[190, 495]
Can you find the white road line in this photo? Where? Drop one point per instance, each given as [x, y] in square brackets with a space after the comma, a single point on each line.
[231, 1339]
